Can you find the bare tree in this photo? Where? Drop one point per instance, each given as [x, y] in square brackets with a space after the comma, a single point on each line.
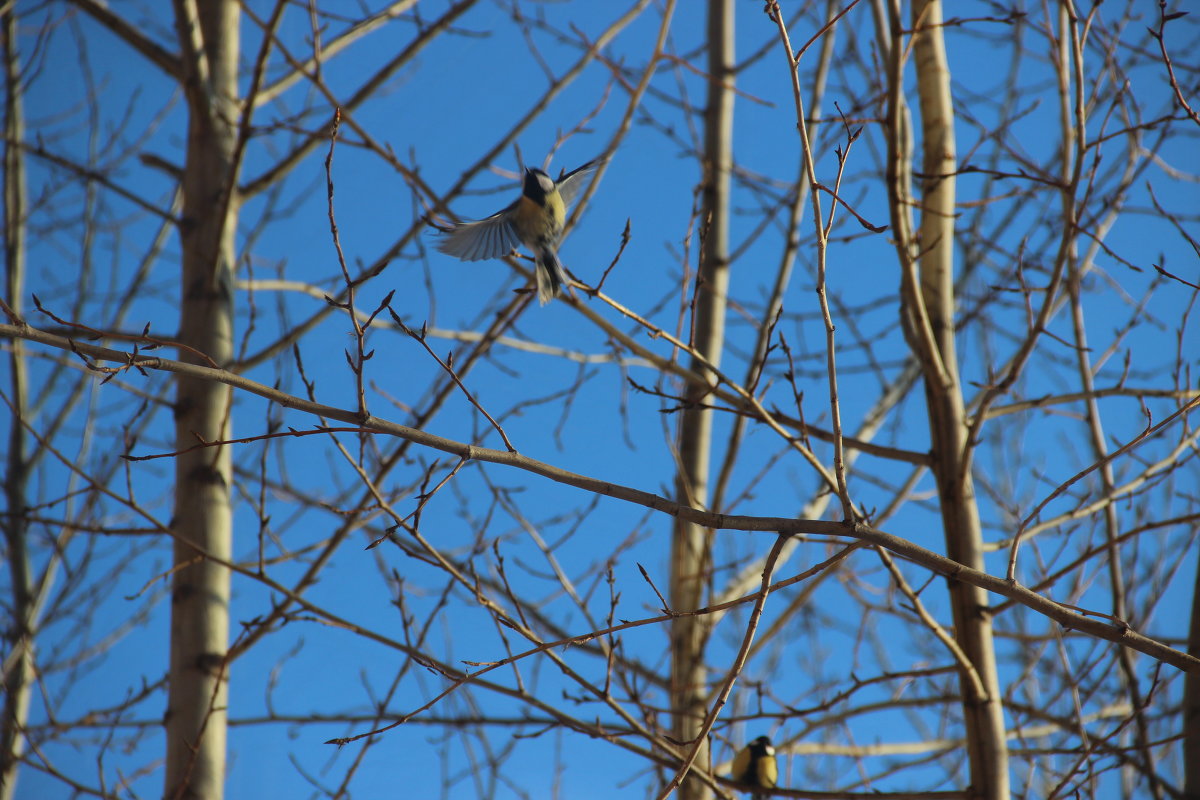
[202, 520]
[866, 424]
[927, 313]
[691, 548]
[18, 656]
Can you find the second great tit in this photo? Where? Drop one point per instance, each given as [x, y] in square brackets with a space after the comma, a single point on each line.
[536, 220]
[755, 765]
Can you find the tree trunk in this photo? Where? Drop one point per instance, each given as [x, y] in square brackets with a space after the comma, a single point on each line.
[691, 544]
[1191, 703]
[982, 708]
[19, 677]
[196, 713]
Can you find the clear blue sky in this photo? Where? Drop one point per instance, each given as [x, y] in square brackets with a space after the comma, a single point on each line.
[442, 113]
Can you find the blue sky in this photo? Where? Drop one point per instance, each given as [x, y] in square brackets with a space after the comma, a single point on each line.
[442, 113]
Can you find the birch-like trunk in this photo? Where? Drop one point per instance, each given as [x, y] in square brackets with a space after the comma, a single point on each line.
[196, 713]
[929, 318]
[691, 544]
[19, 675]
[1191, 704]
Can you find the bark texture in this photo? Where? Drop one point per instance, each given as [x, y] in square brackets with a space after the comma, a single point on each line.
[1191, 704]
[202, 524]
[929, 318]
[691, 544]
[19, 676]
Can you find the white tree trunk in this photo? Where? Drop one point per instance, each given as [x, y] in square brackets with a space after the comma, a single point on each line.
[19, 678]
[983, 711]
[691, 544]
[196, 714]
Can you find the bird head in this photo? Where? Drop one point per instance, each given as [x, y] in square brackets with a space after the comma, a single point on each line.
[537, 184]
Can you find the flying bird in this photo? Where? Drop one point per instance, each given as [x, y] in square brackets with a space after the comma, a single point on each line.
[534, 219]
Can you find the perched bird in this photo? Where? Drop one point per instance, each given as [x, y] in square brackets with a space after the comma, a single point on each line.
[536, 220]
[755, 766]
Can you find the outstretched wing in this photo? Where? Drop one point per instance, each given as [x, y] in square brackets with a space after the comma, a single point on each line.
[570, 183]
[492, 237]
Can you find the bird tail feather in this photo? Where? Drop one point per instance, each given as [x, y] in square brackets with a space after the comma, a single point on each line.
[551, 276]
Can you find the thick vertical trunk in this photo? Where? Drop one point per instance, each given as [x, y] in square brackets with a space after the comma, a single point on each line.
[982, 709]
[1191, 704]
[18, 679]
[691, 547]
[196, 714]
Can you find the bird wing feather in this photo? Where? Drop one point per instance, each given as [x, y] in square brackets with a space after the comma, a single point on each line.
[491, 237]
[570, 184]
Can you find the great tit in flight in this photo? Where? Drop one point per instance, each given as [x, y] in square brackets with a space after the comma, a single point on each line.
[755, 766]
[535, 219]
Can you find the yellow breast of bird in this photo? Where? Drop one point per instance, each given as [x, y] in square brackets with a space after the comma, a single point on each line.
[556, 212]
[768, 772]
[535, 222]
